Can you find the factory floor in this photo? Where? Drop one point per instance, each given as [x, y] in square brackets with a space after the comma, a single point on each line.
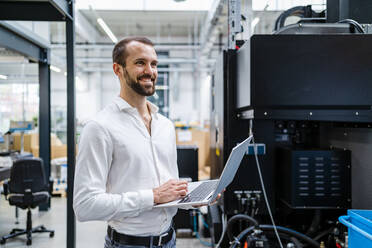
[88, 234]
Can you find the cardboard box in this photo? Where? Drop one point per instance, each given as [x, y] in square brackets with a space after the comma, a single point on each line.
[56, 151]
[198, 137]
[31, 140]
[205, 173]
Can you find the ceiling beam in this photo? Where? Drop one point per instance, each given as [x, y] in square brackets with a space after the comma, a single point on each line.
[209, 30]
[85, 29]
[36, 10]
[19, 39]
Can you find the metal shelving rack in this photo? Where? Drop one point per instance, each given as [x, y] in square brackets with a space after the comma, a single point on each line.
[10, 38]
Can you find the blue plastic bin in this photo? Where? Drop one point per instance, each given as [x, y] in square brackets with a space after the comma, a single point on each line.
[359, 223]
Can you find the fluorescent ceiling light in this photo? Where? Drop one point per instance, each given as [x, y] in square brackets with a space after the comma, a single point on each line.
[254, 23]
[55, 68]
[107, 30]
[3, 77]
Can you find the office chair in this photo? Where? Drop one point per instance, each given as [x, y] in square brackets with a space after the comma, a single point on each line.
[26, 189]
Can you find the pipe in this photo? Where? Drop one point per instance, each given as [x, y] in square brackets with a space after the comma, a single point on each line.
[237, 217]
[315, 222]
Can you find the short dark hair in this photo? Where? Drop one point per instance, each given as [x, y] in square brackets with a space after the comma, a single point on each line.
[119, 54]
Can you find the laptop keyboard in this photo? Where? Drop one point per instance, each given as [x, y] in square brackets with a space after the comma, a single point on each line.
[200, 192]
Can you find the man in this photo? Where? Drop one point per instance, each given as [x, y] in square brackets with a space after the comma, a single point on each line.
[127, 159]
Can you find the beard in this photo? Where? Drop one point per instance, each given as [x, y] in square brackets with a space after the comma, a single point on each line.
[135, 85]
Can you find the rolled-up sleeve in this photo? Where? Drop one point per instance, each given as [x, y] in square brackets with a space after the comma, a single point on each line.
[91, 201]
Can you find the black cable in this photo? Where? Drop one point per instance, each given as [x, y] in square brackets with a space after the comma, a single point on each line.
[285, 232]
[234, 219]
[248, 206]
[264, 192]
[355, 24]
[248, 230]
[300, 11]
[295, 11]
[285, 237]
[322, 234]
[237, 240]
[292, 233]
[315, 223]
[296, 242]
[254, 205]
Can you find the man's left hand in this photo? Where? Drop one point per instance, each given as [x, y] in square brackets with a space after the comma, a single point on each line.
[214, 202]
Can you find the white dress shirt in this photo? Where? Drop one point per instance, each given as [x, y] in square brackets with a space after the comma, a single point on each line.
[118, 165]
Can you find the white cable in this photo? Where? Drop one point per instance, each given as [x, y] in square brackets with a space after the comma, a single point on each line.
[264, 192]
[224, 220]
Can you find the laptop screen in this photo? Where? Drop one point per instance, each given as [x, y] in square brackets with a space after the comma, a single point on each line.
[232, 166]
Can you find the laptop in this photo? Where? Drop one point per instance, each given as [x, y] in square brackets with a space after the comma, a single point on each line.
[206, 192]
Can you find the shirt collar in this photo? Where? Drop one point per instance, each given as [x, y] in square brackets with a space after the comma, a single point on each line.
[124, 105]
[153, 108]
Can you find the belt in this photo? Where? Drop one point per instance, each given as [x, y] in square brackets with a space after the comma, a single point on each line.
[124, 239]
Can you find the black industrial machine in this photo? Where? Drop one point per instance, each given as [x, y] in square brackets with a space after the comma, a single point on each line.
[307, 91]
[227, 129]
[318, 179]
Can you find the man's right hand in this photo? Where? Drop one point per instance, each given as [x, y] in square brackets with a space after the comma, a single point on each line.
[170, 191]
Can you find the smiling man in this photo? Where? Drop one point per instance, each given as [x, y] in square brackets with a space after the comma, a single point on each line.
[127, 160]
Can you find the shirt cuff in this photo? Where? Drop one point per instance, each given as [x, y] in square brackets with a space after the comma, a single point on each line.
[147, 199]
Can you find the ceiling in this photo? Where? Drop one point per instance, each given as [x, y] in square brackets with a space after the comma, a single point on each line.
[161, 26]
[176, 32]
[149, 23]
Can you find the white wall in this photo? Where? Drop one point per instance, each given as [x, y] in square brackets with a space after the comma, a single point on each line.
[205, 98]
[181, 97]
[110, 87]
[189, 92]
[88, 94]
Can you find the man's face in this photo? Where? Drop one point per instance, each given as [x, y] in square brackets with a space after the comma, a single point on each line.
[140, 72]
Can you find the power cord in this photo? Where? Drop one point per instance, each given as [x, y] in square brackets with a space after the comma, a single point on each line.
[355, 24]
[205, 224]
[288, 234]
[264, 193]
[197, 233]
[224, 228]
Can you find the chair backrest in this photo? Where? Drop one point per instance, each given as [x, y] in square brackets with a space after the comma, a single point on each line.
[27, 173]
